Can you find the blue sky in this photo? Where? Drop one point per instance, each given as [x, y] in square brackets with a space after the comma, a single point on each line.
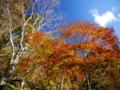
[103, 12]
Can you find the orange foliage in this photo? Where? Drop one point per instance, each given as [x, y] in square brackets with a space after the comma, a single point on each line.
[82, 48]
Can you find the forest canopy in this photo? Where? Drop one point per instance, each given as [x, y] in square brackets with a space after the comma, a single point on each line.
[37, 52]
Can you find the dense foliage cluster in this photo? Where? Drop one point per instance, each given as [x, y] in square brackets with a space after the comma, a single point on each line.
[78, 55]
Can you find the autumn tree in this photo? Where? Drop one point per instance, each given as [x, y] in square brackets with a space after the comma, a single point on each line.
[81, 53]
[95, 45]
[17, 18]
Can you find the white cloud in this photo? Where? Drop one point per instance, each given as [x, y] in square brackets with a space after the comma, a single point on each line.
[103, 19]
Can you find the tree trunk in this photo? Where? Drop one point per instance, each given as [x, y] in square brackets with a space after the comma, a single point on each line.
[88, 82]
[10, 70]
[8, 73]
[62, 81]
